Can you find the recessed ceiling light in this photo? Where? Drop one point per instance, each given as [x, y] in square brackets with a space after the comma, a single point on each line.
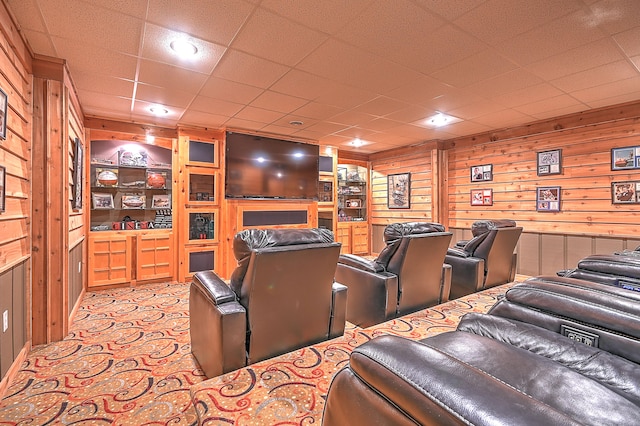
[184, 48]
[296, 123]
[158, 110]
[440, 119]
[357, 142]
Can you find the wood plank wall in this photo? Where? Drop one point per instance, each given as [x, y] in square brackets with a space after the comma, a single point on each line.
[15, 221]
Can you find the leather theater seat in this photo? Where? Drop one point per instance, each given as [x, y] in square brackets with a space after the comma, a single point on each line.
[486, 260]
[554, 351]
[281, 297]
[618, 269]
[408, 274]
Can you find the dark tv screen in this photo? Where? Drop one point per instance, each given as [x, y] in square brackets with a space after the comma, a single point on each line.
[261, 167]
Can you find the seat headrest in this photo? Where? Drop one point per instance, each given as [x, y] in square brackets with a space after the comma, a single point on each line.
[480, 227]
[394, 232]
[248, 240]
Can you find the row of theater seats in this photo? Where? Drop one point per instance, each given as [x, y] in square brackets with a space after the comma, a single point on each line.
[290, 287]
[555, 350]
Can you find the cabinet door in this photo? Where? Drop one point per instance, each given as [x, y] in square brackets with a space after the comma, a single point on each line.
[343, 235]
[360, 238]
[109, 259]
[154, 256]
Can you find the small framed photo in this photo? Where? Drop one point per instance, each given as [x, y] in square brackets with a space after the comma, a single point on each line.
[134, 201]
[399, 191]
[548, 199]
[102, 201]
[550, 162]
[625, 158]
[3, 191]
[482, 173]
[481, 197]
[161, 201]
[342, 173]
[625, 192]
[3, 114]
[133, 158]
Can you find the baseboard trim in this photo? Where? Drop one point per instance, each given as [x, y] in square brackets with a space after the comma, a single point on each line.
[13, 370]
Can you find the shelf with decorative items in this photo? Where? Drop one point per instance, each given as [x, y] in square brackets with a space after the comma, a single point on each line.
[131, 212]
[352, 227]
[199, 198]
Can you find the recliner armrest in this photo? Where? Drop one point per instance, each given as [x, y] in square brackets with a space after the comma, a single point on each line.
[213, 287]
[459, 252]
[339, 293]
[360, 263]
[467, 274]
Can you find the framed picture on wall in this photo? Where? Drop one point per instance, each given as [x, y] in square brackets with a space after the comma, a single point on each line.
[77, 175]
[3, 114]
[625, 158]
[482, 173]
[481, 197]
[399, 191]
[3, 181]
[548, 199]
[102, 201]
[550, 162]
[625, 192]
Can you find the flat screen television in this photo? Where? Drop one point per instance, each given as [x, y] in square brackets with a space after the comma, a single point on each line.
[261, 167]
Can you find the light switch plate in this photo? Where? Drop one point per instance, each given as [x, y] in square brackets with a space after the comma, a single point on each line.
[5, 321]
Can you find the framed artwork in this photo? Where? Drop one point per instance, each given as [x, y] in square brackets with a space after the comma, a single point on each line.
[342, 173]
[482, 197]
[399, 191]
[548, 199]
[133, 158]
[625, 192]
[3, 182]
[482, 173]
[161, 201]
[625, 158]
[3, 114]
[550, 162]
[78, 162]
[102, 201]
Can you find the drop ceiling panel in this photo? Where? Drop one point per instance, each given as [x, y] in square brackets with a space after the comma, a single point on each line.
[231, 91]
[608, 73]
[163, 96]
[278, 102]
[215, 106]
[165, 75]
[90, 59]
[216, 21]
[258, 115]
[247, 69]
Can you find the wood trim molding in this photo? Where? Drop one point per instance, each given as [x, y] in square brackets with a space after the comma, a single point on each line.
[13, 370]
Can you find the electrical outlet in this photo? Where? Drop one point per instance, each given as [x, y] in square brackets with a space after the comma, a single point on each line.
[5, 321]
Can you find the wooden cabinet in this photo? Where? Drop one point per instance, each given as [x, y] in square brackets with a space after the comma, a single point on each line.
[354, 237]
[122, 257]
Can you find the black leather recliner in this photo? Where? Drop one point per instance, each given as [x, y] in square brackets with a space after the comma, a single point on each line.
[408, 274]
[281, 297]
[619, 269]
[555, 352]
[486, 260]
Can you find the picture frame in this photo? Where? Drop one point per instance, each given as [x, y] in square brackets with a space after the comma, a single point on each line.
[130, 158]
[549, 162]
[626, 158]
[625, 192]
[161, 201]
[78, 175]
[399, 191]
[3, 190]
[483, 173]
[4, 103]
[102, 201]
[342, 173]
[548, 198]
[481, 197]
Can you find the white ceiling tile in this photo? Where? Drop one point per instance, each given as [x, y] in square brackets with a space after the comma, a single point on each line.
[450, 9]
[40, 42]
[604, 91]
[270, 36]
[157, 47]
[216, 21]
[164, 75]
[203, 119]
[317, 111]
[103, 84]
[29, 8]
[258, 115]
[550, 104]
[243, 68]
[474, 69]
[215, 106]
[614, 16]
[629, 41]
[608, 73]
[278, 102]
[530, 94]
[228, 90]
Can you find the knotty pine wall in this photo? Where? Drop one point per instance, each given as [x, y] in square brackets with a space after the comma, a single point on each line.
[588, 222]
[15, 221]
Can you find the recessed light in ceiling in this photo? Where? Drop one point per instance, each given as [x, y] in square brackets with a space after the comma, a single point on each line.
[357, 142]
[185, 49]
[158, 110]
[440, 119]
[296, 123]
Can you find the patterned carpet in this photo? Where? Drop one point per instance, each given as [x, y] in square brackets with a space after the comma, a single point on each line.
[127, 361]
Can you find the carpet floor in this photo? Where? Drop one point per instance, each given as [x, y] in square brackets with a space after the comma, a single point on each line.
[127, 361]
